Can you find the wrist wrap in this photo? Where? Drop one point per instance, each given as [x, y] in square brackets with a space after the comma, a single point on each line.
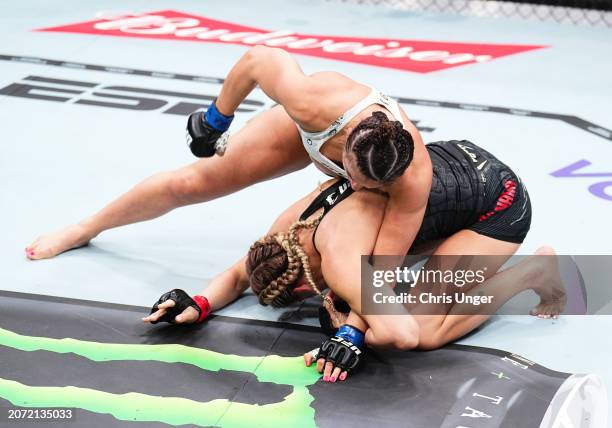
[204, 306]
[352, 334]
[216, 119]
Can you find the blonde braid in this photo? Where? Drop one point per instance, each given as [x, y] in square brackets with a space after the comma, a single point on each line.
[297, 249]
[303, 257]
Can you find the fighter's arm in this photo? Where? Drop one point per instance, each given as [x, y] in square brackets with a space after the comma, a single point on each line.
[280, 77]
[404, 212]
[408, 197]
[178, 307]
[227, 286]
[341, 268]
[343, 275]
[399, 228]
[342, 243]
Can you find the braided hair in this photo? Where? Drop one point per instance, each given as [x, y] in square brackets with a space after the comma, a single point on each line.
[276, 262]
[383, 148]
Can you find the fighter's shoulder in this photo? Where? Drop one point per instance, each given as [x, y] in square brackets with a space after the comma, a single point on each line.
[328, 83]
[331, 77]
[412, 189]
[328, 96]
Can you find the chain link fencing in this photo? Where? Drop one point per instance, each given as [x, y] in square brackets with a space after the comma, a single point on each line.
[577, 12]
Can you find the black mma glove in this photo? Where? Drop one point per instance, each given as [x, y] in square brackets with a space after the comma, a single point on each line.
[344, 349]
[181, 302]
[206, 132]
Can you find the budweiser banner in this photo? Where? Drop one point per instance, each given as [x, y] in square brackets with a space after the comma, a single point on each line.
[409, 55]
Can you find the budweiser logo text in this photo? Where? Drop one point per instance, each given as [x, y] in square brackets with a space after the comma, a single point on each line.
[409, 55]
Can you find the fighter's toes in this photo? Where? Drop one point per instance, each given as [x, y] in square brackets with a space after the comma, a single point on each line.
[52, 244]
[547, 310]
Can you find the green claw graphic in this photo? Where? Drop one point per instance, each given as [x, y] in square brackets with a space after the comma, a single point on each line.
[294, 410]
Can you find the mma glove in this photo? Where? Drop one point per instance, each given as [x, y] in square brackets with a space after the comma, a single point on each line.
[344, 350]
[181, 302]
[206, 132]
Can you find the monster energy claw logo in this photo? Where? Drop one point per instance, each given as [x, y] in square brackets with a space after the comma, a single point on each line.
[294, 410]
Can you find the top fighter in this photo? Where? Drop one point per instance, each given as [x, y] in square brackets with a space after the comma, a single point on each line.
[327, 108]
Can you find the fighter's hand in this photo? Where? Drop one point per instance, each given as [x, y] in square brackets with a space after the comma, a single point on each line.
[207, 132]
[330, 373]
[188, 316]
[177, 307]
[339, 354]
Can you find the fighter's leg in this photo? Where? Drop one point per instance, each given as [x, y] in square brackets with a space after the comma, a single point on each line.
[537, 273]
[266, 147]
[432, 317]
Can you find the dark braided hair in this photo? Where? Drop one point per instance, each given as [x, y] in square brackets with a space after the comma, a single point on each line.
[276, 262]
[383, 148]
[271, 274]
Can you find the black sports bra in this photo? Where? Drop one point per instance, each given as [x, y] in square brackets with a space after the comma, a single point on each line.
[327, 199]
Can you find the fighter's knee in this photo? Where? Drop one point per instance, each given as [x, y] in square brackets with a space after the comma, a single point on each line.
[405, 336]
[406, 342]
[187, 186]
[428, 341]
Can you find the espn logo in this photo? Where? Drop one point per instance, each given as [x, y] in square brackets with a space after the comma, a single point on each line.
[112, 96]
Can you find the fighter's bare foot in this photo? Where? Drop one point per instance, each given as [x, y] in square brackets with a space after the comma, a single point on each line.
[57, 242]
[548, 285]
